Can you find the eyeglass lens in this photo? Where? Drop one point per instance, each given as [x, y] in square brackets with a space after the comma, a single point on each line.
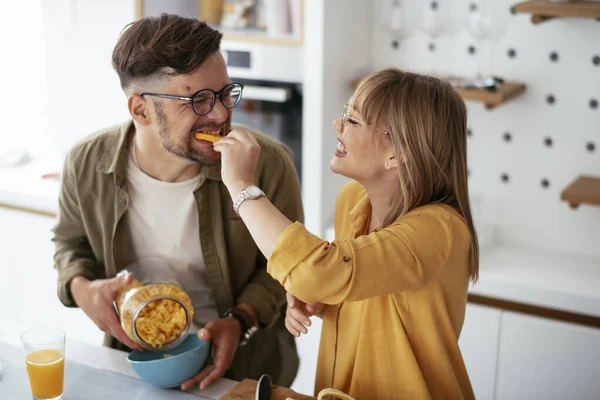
[204, 101]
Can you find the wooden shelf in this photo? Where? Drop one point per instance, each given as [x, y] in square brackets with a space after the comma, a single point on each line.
[250, 35]
[544, 10]
[259, 36]
[584, 190]
[503, 93]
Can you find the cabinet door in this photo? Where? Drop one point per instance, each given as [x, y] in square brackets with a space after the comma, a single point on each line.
[308, 352]
[24, 285]
[28, 280]
[546, 359]
[479, 346]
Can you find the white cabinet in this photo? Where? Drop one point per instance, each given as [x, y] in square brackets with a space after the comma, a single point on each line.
[546, 359]
[479, 340]
[28, 280]
[308, 351]
[511, 356]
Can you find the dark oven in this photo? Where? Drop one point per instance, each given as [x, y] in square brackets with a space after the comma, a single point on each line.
[272, 76]
[275, 109]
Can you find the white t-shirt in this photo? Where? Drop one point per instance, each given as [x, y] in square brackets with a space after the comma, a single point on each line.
[163, 218]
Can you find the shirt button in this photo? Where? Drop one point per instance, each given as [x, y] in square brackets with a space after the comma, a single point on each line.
[122, 203]
[346, 259]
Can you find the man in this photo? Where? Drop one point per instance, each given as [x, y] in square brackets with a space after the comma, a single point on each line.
[149, 189]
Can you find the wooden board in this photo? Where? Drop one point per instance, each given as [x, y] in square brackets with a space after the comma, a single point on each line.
[543, 10]
[503, 93]
[246, 390]
[28, 210]
[584, 190]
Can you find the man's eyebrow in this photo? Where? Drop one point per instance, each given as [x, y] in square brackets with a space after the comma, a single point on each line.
[191, 92]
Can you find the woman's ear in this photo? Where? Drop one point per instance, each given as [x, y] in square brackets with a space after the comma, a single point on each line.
[138, 109]
[391, 163]
[394, 162]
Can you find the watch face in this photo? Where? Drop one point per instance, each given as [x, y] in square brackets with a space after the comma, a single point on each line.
[253, 191]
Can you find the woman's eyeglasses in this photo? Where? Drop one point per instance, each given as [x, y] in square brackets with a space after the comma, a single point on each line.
[204, 100]
[346, 117]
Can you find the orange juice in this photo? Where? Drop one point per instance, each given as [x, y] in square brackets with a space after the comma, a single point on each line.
[46, 372]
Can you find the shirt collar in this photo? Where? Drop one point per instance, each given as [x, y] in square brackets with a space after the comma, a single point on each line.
[360, 214]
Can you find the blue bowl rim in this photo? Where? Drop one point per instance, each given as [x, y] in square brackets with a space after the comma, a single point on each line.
[199, 344]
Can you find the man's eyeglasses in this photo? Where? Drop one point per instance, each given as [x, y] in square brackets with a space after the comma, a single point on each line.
[347, 117]
[204, 100]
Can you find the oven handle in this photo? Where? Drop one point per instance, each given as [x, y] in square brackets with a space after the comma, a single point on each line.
[267, 93]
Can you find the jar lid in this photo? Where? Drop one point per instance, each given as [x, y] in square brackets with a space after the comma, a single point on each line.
[171, 343]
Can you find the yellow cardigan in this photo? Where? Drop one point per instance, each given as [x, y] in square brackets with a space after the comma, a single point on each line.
[396, 299]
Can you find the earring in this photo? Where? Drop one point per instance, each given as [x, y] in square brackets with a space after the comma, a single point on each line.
[387, 164]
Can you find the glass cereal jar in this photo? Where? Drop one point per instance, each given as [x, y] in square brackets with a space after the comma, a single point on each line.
[155, 312]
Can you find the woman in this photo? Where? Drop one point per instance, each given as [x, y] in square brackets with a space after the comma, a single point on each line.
[395, 280]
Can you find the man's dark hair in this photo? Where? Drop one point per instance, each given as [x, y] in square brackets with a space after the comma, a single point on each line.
[151, 44]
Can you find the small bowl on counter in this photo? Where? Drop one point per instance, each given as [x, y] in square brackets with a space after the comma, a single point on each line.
[170, 368]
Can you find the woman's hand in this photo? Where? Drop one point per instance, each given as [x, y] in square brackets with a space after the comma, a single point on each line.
[239, 156]
[298, 313]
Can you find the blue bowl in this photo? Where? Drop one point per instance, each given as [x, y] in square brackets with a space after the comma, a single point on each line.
[180, 364]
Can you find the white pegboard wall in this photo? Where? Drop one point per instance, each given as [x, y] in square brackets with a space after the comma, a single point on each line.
[525, 152]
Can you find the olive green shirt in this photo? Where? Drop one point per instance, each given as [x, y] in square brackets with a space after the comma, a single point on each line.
[92, 239]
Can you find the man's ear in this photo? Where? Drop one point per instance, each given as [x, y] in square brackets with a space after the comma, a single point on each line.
[138, 109]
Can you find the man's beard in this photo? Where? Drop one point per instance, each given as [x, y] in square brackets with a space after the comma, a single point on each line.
[180, 146]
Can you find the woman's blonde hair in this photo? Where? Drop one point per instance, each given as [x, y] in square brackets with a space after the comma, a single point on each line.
[427, 123]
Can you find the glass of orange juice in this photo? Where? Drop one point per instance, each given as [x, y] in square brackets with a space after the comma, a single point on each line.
[45, 359]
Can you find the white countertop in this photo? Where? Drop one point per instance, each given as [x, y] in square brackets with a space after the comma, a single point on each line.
[23, 186]
[101, 357]
[567, 282]
[545, 278]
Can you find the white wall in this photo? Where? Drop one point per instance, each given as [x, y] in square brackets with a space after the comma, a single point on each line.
[337, 49]
[524, 212]
[22, 77]
[84, 94]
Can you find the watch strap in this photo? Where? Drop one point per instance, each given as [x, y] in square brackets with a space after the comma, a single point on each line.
[240, 319]
[245, 195]
[246, 331]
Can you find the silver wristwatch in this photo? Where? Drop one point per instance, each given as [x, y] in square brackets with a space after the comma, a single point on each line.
[250, 193]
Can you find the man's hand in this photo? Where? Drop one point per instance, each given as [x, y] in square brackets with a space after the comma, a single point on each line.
[96, 298]
[298, 313]
[224, 333]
